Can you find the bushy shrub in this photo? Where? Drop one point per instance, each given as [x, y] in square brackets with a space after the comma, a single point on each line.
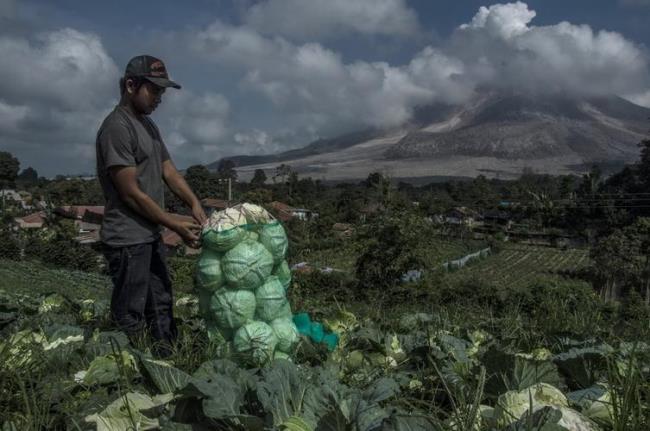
[9, 246]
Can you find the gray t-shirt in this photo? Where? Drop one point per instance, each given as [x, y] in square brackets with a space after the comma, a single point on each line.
[125, 140]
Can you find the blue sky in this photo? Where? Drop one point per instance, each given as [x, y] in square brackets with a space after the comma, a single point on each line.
[265, 76]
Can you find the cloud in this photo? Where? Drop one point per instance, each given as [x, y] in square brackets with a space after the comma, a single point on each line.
[501, 49]
[55, 89]
[304, 19]
[498, 49]
[194, 127]
[315, 86]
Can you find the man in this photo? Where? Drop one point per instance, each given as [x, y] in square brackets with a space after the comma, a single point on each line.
[132, 164]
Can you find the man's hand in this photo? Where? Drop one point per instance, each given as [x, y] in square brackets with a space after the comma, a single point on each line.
[188, 230]
[199, 214]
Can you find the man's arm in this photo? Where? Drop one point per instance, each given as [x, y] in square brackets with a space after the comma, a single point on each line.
[179, 186]
[125, 180]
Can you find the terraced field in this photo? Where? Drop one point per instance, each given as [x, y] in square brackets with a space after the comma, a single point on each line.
[434, 253]
[522, 265]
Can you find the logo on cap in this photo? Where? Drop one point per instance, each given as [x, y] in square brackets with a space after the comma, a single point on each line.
[157, 68]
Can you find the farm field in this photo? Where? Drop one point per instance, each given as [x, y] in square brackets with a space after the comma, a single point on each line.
[520, 266]
[426, 366]
[35, 279]
[437, 252]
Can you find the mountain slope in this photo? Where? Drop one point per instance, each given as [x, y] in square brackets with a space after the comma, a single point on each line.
[495, 134]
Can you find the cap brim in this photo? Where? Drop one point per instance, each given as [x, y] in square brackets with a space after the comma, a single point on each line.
[163, 82]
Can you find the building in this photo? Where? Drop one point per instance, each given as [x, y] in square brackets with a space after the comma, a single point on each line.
[87, 219]
[284, 212]
[79, 212]
[31, 221]
[462, 216]
[211, 205]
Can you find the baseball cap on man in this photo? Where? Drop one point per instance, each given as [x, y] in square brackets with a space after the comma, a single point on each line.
[150, 68]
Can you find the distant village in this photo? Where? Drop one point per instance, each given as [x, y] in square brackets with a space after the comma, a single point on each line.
[88, 218]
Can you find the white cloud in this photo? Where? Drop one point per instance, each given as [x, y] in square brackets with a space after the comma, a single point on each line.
[64, 68]
[501, 49]
[194, 127]
[55, 88]
[503, 20]
[315, 86]
[306, 19]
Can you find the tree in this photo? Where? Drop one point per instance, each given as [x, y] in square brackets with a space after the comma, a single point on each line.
[28, 176]
[259, 178]
[9, 166]
[282, 171]
[226, 169]
[621, 261]
[199, 179]
[391, 251]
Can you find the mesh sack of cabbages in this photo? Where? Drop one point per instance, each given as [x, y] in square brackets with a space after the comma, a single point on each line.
[242, 281]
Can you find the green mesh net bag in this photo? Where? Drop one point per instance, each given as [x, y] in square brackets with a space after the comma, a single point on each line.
[231, 309]
[247, 265]
[209, 275]
[271, 300]
[274, 238]
[286, 333]
[254, 343]
[224, 230]
[283, 273]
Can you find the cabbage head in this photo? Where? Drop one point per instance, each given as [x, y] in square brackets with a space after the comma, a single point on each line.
[274, 238]
[286, 333]
[271, 299]
[283, 272]
[247, 265]
[254, 343]
[231, 309]
[224, 230]
[209, 274]
[512, 405]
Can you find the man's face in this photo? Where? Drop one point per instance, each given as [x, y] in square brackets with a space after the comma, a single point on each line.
[147, 98]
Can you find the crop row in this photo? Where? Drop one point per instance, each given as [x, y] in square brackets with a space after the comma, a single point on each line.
[521, 266]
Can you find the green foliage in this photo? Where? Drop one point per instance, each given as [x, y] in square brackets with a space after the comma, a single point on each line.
[391, 252]
[201, 181]
[9, 166]
[182, 271]
[259, 178]
[9, 245]
[59, 249]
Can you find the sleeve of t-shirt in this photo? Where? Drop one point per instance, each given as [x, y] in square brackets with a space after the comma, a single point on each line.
[164, 153]
[115, 144]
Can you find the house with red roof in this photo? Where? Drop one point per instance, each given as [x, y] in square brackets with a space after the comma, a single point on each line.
[31, 221]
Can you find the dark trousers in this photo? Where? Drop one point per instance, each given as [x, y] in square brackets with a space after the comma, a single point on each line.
[142, 297]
